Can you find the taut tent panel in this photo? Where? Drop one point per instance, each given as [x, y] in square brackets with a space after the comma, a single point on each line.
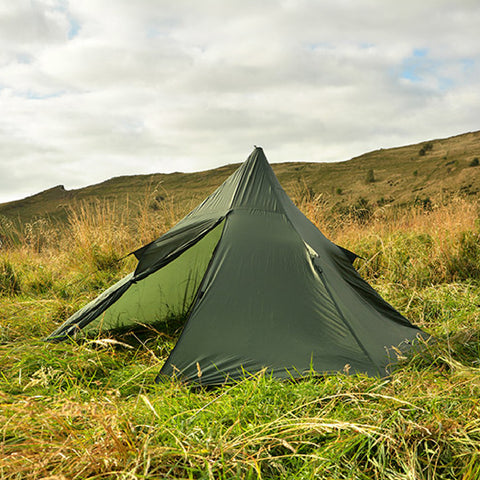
[264, 306]
[261, 288]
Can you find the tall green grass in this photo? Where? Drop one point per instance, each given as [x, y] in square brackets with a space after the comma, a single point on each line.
[92, 410]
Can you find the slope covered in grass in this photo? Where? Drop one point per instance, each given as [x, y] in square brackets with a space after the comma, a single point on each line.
[93, 410]
[412, 174]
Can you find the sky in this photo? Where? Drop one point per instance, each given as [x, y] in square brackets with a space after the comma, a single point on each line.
[93, 89]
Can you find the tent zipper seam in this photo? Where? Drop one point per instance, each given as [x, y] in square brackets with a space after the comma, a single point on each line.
[329, 292]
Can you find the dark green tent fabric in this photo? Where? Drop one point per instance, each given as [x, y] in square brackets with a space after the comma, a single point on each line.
[261, 288]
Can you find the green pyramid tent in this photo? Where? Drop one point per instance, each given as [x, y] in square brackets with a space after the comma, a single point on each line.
[261, 288]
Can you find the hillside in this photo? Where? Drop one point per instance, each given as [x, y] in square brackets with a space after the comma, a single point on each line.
[415, 173]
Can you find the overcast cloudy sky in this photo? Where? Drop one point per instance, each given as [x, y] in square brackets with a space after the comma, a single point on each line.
[91, 89]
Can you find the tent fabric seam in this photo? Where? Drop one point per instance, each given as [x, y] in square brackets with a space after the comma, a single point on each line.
[197, 298]
[175, 253]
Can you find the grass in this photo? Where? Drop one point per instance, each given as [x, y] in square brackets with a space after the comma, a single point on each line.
[92, 410]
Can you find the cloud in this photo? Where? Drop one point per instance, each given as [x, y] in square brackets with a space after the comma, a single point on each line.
[91, 90]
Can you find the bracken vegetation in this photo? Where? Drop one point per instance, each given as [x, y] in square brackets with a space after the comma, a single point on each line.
[92, 410]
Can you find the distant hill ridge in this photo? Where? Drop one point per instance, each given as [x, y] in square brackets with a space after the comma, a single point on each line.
[401, 175]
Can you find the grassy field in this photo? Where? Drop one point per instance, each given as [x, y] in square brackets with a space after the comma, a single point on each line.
[72, 411]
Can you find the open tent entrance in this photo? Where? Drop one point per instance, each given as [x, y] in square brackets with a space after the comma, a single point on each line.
[163, 299]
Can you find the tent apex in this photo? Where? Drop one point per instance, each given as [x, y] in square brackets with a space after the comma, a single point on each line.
[258, 154]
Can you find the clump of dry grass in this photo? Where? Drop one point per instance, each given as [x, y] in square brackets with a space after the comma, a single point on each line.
[412, 246]
[442, 220]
